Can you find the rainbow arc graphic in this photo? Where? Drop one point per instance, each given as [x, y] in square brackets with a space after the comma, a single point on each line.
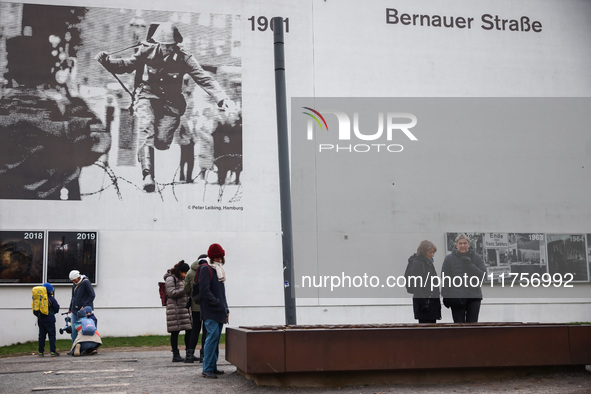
[315, 118]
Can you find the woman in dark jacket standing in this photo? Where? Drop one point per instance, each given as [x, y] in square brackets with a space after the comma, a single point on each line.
[425, 300]
[463, 296]
[177, 315]
[195, 312]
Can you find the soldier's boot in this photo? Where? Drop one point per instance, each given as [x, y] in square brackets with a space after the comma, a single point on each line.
[146, 158]
[149, 183]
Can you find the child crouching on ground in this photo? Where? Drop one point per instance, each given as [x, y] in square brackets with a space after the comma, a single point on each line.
[46, 323]
[86, 343]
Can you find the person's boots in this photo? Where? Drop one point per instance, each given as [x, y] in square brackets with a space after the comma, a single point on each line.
[190, 358]
[149, 184]
[191, 162]
[146, 159]
[176, 356]
[200, 358]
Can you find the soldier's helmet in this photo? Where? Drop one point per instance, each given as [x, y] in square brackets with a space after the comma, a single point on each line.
[167, 33]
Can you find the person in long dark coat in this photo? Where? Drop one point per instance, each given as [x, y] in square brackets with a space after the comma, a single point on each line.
[426, 303]
[177, 315]
[463, 299]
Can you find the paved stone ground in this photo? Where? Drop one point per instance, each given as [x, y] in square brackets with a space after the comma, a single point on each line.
[150, 370]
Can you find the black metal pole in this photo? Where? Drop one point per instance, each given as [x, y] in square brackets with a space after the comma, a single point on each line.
[284, 173]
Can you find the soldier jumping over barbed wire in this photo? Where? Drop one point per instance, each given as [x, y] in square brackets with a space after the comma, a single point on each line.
[158, 100]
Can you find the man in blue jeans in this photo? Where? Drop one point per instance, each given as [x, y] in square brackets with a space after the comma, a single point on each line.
[82, 296]
[214, 308]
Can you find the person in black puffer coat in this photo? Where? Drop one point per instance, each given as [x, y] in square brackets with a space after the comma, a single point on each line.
[178, 317]
[425, 301]
[464, 300]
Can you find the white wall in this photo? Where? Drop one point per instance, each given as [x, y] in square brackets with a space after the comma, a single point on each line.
[333, 49]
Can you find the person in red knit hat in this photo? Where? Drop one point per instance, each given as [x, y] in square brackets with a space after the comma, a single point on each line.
[214, 307]
[216, 255]
[215, 251]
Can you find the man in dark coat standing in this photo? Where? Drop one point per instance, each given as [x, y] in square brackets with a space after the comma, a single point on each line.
[82, 296]
[214, 308]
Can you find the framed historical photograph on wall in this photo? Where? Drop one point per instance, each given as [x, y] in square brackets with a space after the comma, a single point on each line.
[567, 255]
[71, 250]
[527, 253]
[495, 249]
[53, 76]
[21, 257]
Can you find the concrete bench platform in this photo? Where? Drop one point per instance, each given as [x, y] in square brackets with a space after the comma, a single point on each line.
[276, 353]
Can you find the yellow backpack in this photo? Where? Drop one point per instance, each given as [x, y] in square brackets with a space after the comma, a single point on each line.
[40, 301]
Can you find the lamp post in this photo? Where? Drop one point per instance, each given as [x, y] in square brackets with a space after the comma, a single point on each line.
[284, 173]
